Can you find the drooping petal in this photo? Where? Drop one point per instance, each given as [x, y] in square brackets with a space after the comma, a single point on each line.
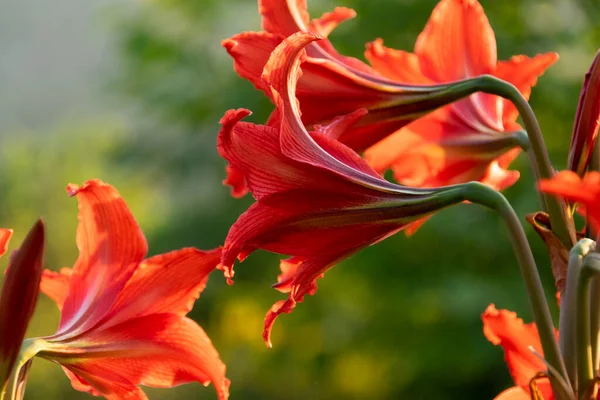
[157, 350]
[503, 328]
[56, 285]
[19, 297]
[586, 190]
[523, 72]
[5, 235]
[587, 120]
[111, 246]
[166, 283]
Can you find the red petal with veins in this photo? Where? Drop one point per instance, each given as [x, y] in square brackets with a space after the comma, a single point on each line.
[111, 246]
[156, 350]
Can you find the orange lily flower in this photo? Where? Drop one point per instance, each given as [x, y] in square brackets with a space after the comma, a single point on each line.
[19, 295]
[469, 140]
[317, 200]
[123, 320]
[519, 341]
[332, 84]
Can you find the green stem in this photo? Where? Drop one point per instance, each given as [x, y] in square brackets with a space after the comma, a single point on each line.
[481, 194]
[585, 369]
[560, 220]
[569, 304]
[15, 390]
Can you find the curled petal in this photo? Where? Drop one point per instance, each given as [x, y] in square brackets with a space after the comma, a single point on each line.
[158, 350]
[502, 327]
[250, 52]
[111, 246]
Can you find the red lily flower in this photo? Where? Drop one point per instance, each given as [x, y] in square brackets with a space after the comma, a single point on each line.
[519, 341]
[471, 139]
[122, 317]
[332, 84]
[587, 120]
[317, 200]
[585, 191]
[19, 295]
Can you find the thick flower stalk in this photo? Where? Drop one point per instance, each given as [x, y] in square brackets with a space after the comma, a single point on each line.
[123, 320]
[317, 200]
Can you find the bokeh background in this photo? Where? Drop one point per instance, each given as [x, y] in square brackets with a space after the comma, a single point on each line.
[132, 91]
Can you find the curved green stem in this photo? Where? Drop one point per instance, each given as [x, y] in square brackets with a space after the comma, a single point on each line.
[568, 325]
[560, 219]
[481, 194]
[585, 368]
[15, 390]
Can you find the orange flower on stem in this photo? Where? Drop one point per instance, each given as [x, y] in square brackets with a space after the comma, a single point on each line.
[334, 85]
[473, 138]
[123, 320]
[317, 200]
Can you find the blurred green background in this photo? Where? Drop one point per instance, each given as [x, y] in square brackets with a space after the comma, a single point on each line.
[131, 92]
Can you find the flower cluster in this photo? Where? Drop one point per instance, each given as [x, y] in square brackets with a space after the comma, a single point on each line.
[443, 119]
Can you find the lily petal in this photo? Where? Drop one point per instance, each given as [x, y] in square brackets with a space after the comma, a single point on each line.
[523, 72]
[111, 246]
[5, 235]
[586, 191]
[166, 283]
[157, 350]
[56, 285]
[502, 327]
[397, 65]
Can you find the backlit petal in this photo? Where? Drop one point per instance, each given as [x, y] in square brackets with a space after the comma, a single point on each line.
[523, 72]
[5, 235]
[158, 350]
[397, 65]
[503, 328]
[165, 283]
[457, 42]
[569, 186]
[56, 285]
[111, 246]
